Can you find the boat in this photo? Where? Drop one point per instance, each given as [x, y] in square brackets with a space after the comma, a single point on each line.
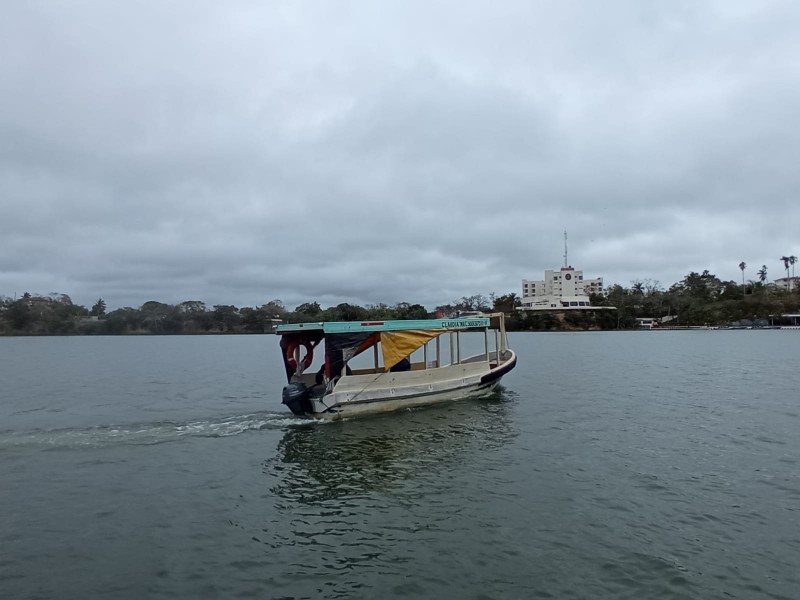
[412, 363]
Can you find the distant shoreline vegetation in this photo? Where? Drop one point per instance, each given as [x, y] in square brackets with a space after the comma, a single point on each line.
[699, 299]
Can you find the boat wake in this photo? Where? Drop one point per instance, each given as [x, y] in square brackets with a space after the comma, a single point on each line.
[147, 433]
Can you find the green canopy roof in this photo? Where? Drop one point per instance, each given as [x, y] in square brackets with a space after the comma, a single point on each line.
[369, 326]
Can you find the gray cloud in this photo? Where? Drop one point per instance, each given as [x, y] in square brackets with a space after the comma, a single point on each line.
[407, 152]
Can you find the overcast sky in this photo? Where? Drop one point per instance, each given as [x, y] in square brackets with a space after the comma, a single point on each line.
[365, 152]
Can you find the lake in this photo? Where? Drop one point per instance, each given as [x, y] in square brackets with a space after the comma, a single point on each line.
[653, 464]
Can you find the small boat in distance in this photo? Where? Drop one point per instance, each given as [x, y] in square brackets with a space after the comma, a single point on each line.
[397, 378]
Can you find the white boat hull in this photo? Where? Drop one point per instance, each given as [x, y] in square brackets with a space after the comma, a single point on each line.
[372, 394]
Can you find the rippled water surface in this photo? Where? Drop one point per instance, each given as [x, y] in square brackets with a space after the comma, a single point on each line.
[610, 465]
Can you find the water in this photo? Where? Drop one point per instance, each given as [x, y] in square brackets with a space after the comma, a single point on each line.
[610, 465]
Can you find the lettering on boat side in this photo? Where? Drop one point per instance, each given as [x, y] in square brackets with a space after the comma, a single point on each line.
[454, 324]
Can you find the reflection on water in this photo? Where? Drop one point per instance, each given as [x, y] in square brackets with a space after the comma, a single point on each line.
[354, 504]
[320, 462]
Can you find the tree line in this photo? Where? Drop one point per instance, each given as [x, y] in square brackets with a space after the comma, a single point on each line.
[56, 314]
[698, 299]
[703, 299]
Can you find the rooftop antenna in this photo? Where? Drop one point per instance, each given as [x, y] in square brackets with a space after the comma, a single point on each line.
[566, 264]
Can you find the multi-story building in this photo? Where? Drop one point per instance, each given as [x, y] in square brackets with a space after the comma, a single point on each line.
[789, 284]
[562, 289]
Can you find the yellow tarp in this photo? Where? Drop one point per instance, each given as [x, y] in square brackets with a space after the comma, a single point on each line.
[399, 344]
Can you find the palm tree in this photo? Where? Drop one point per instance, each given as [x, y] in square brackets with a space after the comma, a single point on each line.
[785, 260]
[743, 266]
[792, 260]
[762, 276]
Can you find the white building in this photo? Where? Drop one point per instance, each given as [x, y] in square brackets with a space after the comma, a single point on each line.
[787, 283]
[562, 289]
[646, 322]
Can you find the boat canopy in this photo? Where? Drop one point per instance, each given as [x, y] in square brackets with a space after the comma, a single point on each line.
[405, 325]
[398, 339]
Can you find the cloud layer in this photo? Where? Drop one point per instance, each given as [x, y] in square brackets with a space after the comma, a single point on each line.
[236, 153]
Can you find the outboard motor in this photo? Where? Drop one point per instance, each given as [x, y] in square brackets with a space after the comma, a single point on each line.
[297, 397]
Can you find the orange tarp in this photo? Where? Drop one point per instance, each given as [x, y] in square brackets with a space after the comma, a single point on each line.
[399, 344]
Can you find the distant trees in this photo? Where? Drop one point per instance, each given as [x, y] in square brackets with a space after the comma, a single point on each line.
[309, 309]
[701, 299]
[34, 315]
[19, 316]
[99, 308]
[508, 303]
[406, 310]
[123, 320]
[743, 266]
[192, 307]
[698, 299]
[762, 274]
[31, 315]
[787, 262]
[255, 320]
[478, 302]
[226, 317]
